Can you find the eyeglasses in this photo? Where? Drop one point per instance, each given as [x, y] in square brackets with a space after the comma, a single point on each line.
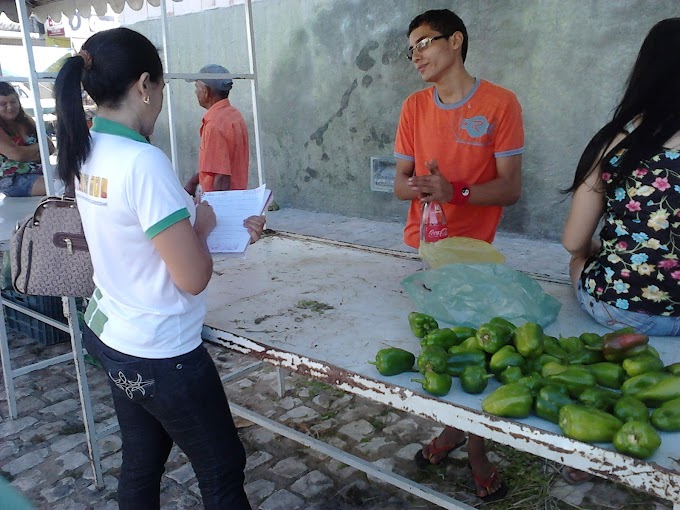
[423, 43]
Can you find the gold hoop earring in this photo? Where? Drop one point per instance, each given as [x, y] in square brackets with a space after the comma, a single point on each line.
[147, 100]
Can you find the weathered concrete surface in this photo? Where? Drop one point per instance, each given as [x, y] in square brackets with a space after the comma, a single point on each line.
[333, 74]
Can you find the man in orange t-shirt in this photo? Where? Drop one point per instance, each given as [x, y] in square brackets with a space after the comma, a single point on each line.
[458, 143]
[224, 152]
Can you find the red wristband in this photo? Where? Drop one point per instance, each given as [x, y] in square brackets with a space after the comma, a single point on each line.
[461, 193]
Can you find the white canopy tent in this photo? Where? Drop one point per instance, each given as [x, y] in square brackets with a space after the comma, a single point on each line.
[20, 11]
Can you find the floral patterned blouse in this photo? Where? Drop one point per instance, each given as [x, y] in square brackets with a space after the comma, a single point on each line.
[638, 266]
[9, 167]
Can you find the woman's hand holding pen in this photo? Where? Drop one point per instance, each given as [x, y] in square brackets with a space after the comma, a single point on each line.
[205, 220]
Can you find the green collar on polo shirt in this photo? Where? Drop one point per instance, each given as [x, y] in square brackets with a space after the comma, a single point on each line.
[110, 127]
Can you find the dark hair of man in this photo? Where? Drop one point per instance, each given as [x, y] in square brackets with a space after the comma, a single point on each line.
[6, 89]
[445, 22]
[118, 57]
[652, 97]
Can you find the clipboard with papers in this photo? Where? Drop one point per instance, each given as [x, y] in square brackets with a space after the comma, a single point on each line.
[231, 208]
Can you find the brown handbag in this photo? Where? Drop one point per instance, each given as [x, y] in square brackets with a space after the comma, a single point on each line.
[49, 255]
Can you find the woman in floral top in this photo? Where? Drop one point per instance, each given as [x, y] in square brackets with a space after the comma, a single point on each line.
[21, 172]
[629, 177]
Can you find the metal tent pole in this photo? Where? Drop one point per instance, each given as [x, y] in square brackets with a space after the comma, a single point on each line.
[35, 90]
[166, 59]
[253, 89]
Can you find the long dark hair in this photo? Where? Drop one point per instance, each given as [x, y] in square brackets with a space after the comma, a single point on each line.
[652, 96]
[116, 59]
[6, 89]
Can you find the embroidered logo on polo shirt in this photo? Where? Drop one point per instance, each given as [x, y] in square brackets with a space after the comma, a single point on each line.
[476, 126]
[476, 130]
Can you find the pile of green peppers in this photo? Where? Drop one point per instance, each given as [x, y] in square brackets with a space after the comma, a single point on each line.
[596, 388]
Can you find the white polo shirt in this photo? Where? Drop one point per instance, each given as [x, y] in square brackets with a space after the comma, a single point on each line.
[128, 193]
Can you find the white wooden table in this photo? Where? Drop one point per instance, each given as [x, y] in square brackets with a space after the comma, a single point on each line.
[254, 308]
[11, 211]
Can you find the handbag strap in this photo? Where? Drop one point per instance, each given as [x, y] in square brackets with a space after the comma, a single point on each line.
[70, 190]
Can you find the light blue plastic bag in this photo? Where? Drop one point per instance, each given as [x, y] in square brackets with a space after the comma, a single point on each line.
[472, 294]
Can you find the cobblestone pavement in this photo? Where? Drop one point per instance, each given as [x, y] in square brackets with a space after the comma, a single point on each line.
[44, 454]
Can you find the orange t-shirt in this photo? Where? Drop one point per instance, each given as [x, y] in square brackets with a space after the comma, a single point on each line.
[465, 138]
[224, 147]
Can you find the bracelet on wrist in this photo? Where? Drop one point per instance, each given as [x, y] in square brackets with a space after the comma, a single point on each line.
[461, 193]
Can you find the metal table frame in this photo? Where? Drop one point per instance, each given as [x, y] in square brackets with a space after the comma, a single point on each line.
[641, 475]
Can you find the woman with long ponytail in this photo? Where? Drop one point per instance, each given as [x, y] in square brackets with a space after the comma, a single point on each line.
[147, 240]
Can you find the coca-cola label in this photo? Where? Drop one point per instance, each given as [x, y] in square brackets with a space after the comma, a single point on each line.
[434, 233]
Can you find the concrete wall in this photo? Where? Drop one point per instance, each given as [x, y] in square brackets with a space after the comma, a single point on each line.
[333, 74]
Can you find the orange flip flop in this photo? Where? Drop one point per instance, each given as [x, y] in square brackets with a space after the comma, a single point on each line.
[487, 484]
[434, 450]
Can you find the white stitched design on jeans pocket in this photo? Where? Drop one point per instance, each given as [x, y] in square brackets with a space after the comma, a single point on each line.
[129, 386]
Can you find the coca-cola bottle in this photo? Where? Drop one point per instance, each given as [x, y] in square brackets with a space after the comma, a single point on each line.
[433, 226]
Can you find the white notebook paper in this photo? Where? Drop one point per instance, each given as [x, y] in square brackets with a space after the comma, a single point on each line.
[231, 209]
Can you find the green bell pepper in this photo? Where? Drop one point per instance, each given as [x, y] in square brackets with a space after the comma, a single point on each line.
[528, 340]
[533, 381]
[662, 391]
[393, 361]
[571, 344]
[511, 401]
[588, 424]
[642, 364]
[576, 378]
[633, 386]
[432, 358]
[505, 357]
[623, 343]
[584, 357]
[552, 347]
[667, 417]
[592, 341]
[599, 398]
[421, 324]
[630, 409]
[652, 352]
[459, 357]
[474, 379]
[637, 439]
[673, 369]
[608, 374]
[511, 375]
[550, 400]
[443, 338]
[500, 321]
[471, 344]
[492, 337]
[463, 332]
[537, 364]
[552, 368]
[434, 383]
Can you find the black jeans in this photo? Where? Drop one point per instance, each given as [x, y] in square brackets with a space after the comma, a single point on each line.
[179, 399]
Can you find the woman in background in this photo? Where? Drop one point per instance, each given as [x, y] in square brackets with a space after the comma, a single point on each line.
[19, 150]
[151, 263]
[629, 177]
